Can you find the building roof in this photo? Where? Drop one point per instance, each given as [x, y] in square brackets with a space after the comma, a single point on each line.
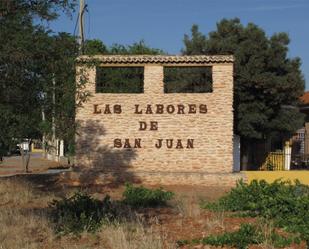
[305, 98]
[157, 59]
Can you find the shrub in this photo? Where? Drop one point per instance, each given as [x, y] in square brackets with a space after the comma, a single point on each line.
[80, 213]
[247, 235]
[144, 197]
[285, 203]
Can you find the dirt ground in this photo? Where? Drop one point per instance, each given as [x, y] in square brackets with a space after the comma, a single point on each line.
[182, 219]
[12, 165]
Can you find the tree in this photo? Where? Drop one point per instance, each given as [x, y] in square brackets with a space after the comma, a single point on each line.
[62, 51]
[136, 48]
[94, 47]
[267, 84]
[119, 79]
[24, 62]
[36, 65]
[44, 9]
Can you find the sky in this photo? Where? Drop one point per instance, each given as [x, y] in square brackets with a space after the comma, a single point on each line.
[163, 23]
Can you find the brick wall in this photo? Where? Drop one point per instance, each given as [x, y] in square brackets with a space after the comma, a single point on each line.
[212, 132]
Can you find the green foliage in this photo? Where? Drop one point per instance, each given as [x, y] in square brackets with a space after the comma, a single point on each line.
[19, 78]
[94, 47]
[62, 70]
[246, 235]
[267, 82]
[144, 197]
[187, 79]
[45, 9]
[30, 57]
[283, 202]
[81, 213]
[120, 80]
[36, 63]
[136, 48]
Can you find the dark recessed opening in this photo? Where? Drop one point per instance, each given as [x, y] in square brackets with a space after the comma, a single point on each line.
[187, 79]
[120, 80]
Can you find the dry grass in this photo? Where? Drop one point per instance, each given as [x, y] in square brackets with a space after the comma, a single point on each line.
[17, 193]
[133, 235]
[22, 229]
[215, 221]
[187, 206]
[21, 216]
[24, 224]
[268, 228]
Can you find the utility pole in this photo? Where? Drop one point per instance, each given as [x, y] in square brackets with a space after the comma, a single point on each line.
[81, 37]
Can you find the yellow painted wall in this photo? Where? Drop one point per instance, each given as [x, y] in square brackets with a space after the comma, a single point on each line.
[271, 176]
[36, 150]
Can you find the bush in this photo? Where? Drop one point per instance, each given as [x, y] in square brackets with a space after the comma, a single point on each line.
[144, 197]
[283, 202]
[247, 235]
[81, 213]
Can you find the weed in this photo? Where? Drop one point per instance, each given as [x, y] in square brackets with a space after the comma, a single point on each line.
[81, 213]
[283, 202]
[247, 234]
[144, 197]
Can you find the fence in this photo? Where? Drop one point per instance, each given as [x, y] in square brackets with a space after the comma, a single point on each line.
[300, 161]
[282, 160]
[274, 161]
[293, 156]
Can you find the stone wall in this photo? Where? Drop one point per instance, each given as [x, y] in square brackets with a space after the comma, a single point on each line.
[202, 142]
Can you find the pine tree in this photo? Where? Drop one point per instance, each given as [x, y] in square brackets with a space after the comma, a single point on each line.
[267, 84]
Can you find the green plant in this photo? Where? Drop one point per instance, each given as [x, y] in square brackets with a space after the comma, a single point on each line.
[246, 235]
[144, 197]
[285, 203]
[81, 213]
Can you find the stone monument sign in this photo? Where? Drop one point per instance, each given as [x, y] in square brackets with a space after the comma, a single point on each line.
[156, 129]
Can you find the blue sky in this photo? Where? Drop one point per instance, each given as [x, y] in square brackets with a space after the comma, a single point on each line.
[163, 23]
